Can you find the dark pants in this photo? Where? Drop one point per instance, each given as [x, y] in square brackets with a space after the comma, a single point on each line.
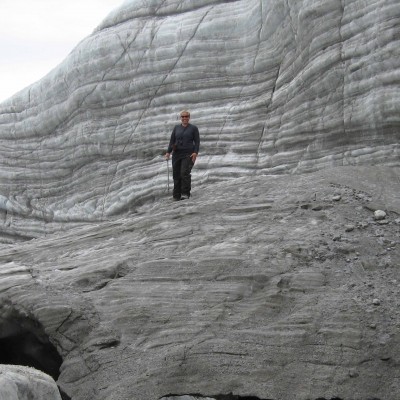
[181, 171]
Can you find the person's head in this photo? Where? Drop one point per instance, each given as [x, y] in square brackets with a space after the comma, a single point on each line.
[185, 116]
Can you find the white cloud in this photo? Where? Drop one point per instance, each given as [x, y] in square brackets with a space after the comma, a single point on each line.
[36, 35]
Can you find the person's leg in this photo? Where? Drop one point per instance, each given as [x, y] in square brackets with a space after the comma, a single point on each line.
[186, 177]
[176, 174]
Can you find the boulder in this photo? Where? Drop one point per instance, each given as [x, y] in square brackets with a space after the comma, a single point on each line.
[24, 383]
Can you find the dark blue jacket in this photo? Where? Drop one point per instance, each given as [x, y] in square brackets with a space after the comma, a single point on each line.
[184, 141]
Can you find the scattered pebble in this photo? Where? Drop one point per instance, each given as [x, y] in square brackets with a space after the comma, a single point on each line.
[379, 215]
[383, 222]
[337, 197]
[376, 302]
[379, 233]
[318, 207]
[349, 228]
[353, 373]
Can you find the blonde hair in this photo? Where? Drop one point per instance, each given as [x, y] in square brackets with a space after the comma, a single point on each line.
[184, 111]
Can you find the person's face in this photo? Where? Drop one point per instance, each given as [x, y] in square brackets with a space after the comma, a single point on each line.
[185, 119]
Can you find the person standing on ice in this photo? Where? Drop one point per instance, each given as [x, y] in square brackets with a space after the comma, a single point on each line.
[184, 146]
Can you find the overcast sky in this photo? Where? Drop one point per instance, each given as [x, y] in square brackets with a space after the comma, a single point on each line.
[36, 35]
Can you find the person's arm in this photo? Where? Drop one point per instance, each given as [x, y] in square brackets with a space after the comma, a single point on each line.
[196, 140]
[196, 147]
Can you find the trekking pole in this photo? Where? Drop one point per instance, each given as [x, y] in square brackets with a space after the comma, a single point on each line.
[168, 173]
